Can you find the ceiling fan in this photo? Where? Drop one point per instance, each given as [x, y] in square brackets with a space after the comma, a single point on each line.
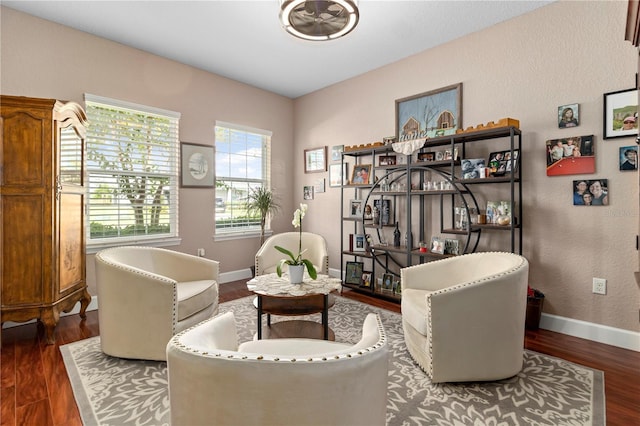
[319, 19]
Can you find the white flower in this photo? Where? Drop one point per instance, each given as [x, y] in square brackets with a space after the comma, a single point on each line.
[298, 215]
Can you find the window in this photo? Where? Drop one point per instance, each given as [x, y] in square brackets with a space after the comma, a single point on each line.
[242, 163]
[132, 165]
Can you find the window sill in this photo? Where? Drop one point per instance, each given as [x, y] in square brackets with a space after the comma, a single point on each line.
[240, 235]
[93, 248]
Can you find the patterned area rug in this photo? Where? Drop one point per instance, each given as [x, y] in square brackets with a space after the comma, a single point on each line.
[548, 391]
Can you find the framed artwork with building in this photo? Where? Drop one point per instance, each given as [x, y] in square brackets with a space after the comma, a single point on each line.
[430, 114]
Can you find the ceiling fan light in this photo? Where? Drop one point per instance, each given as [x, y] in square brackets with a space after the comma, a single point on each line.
[319, 20]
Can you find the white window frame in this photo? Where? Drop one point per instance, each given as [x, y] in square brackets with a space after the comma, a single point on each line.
[169, 170]
[236, 232]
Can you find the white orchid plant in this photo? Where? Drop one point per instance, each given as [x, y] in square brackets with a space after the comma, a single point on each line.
[298, 215]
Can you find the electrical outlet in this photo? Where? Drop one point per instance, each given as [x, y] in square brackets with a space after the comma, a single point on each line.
[201, 252]
[599, 286]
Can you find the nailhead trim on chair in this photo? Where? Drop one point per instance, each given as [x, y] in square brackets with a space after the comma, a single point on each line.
[237, 355]
[174, 313]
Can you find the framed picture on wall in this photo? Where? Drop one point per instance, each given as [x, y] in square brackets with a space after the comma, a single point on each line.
[336, 152]
[196, 165]
[628, 158]
[594, 192]
[620, 114]
[568, 116]
[429, 114]
[338, 174]
[315, 160]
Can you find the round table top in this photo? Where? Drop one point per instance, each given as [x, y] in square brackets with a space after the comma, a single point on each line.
[273, 285]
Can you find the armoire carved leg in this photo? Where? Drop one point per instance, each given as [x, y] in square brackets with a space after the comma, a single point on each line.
[84, 303]
[49, 320]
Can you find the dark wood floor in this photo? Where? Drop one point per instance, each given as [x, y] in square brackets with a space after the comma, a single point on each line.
[36, 391]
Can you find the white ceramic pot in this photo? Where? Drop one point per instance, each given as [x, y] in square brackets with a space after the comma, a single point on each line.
[296, 273]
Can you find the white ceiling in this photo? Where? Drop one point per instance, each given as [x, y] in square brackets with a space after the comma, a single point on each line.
[243, 40]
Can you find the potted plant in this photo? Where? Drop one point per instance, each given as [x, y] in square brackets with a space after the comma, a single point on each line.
[535, 300]
[262, 201]
[296, 263]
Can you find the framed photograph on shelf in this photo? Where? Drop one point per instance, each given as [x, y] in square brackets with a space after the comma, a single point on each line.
[620, 114]
[429, 114]
[387, 160]
[315, 160]
[359, 242]
[451, 155]
[360, 174]
[353, 274]
[451, 246]
[426, 156]
[336, 152]
[500, 162]
[366, 279]
[437, 245]
[397, 287]
[196, 165]
[387, 282]
[356, 208]
[471, 168]
[338, 174]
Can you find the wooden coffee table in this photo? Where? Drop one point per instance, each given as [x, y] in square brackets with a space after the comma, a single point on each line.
[277, 296]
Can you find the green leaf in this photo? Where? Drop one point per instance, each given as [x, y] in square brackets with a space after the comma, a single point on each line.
[310, 269]
[285, 251]
[279, 267]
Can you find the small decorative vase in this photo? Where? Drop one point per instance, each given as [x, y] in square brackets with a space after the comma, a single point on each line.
[296, 273]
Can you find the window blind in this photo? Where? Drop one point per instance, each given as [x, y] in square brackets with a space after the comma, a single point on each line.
[243, 159]
[132, 166]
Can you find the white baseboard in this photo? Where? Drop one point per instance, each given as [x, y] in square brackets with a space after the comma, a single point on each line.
[585, 330]
[241, 274]
[596, 332]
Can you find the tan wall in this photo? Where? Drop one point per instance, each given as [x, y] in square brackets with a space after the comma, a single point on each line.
[43, 59]
[566, 52]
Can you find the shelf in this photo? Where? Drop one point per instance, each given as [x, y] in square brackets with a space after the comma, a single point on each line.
[357, 253]
[501, 179]
[493, 226]
[479, 135]
[367, 186]
[455, 231]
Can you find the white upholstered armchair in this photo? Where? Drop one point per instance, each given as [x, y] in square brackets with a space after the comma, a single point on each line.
[213, 380]
[146, 295]
[268, 257]
[463, 317]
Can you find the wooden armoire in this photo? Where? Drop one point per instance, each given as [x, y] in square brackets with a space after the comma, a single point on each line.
[42, 201]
